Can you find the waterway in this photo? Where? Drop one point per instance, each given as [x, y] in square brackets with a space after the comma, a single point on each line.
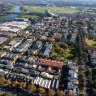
[12, 16]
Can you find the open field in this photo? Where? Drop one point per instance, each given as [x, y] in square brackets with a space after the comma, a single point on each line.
[90, 42]
[58, 10]
[29, 16]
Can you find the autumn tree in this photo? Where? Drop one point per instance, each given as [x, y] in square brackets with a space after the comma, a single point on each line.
[15, 83]
[63, 45]
[71, 93]
[24, 36]
[47, 39]
[8, 94]
[60, 93]
[50, 40]
[58, 37]
[2, 80]
[8, 82]
[31, 88]
[31, 37]
[51, 92]
[41, 91]
[22, 85]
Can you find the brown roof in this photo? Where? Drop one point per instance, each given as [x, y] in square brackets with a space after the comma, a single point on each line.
[51, 63]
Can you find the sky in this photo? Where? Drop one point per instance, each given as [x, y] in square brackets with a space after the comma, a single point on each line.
[90, 1]
[79, 0]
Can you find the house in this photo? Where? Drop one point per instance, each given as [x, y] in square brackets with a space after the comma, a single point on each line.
[32, 51]
[73, 78]
[14, 26]
[45, 83]
[92, 54]
[19, 77]
[37, 44]
[52, 63]
[24, 46]
[9, 67]
[34, 72]
[73, 74]
[11, 56]
[16, 42]
[73, 38]
[46, 49]
[50, 66]
[73, 88]
[6, 62]
[45, 74]
[3, 39]
[25, 71]
[3, 72]
[27, 59]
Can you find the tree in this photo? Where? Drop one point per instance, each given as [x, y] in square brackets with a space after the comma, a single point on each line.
[14, 95]
[31, 88]
[24, 36]
[31, 37]
[22, 85]
[60, 93]
[2, 80]
[8, 82]
[85, 57]
[58, 37]
[15, 84]
[63, 45]
[51, 92]
[41, 91]
[50, 40]
[93, 93]
[8, 94]
[71, 93]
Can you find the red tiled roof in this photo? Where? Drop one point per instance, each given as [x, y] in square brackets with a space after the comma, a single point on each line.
[53, 71]
[42, 68]
[46, 69]
[50, 63]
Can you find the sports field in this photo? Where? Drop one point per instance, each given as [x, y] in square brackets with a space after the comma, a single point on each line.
[58, 10]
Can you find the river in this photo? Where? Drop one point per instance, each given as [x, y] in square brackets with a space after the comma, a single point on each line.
[12, 16]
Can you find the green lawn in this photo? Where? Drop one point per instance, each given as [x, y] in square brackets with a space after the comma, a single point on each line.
[11, 9]
[29, 16]
[90, 42]
[58, 10]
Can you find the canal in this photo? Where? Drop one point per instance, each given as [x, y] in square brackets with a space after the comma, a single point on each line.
[12, 16]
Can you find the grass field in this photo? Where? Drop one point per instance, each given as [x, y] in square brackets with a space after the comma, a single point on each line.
[90, 42]
[58, 10]
[11, 9]
[29, 16]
